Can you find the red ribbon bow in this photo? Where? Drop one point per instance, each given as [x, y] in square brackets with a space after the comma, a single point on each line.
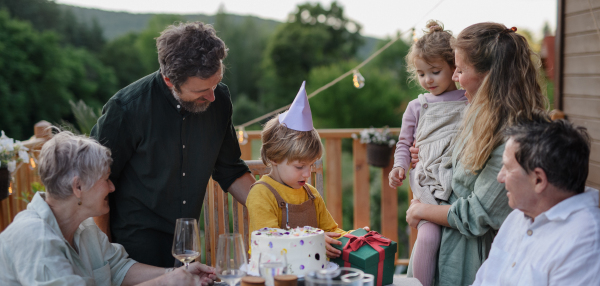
[372, 238]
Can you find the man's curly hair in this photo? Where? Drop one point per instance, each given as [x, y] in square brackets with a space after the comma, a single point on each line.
[189, 49]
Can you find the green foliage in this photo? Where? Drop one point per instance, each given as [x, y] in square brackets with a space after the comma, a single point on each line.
[85, 116]
[124, 59]
[246, 40]
[145, 43]
[313, 36]
[38, 77]
[378, 103]
[35, 187]
[48, 16]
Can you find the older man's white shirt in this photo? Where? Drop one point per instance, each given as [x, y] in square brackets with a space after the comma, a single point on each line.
[561, 247]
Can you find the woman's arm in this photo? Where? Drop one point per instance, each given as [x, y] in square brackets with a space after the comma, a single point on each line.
[146, 275]
[486, 207]
[433, 213]
[139, 273]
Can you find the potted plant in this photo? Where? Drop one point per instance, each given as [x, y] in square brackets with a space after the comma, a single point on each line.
[11, 153]
[380, 143]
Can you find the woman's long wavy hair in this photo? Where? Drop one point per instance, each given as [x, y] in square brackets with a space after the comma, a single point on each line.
[511, 88]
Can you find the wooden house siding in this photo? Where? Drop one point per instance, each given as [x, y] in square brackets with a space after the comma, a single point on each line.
[578, 87]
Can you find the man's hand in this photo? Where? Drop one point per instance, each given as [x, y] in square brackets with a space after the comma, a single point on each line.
[412, 214]
[329, 240]
[396, 176]
[207, 274]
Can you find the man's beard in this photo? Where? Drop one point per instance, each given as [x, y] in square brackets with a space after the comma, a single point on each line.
[190, 106]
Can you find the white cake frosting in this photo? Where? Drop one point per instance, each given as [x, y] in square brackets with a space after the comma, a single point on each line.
[304, 248]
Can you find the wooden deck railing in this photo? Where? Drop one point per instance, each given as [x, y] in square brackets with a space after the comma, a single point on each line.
[25, 175]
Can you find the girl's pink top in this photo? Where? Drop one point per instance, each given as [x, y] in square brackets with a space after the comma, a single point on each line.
[410, 120]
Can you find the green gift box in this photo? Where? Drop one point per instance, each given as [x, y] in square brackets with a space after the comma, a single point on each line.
[366, 258]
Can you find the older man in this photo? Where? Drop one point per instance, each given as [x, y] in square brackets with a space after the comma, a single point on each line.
[553, 235]
[169, 132]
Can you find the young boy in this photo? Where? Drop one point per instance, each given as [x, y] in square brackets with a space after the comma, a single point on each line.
[282, 199]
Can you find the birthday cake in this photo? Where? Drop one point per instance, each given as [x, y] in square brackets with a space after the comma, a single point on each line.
[304, 248]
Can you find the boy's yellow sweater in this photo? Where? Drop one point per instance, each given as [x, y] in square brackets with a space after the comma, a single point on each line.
[263, 210]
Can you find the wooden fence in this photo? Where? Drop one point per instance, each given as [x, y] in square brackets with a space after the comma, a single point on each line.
[26, 175]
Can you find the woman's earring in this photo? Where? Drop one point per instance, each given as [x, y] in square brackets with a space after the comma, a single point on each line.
[79, 203]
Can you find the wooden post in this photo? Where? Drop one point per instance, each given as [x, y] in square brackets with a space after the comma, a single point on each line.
[40, 130]
[362, 209]
[246, 150]
[389, 205]
[333, 159]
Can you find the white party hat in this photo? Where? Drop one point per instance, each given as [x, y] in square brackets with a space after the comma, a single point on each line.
[298, 117]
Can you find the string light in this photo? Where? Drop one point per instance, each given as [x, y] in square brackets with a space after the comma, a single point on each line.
[358, 79]
[10, 189]
[415, 38]
[376, 53]
[242, 136]
[31, 163]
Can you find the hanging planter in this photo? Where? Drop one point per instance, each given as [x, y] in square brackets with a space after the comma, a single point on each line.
[378, 155]
[4, 183]
[380, 143]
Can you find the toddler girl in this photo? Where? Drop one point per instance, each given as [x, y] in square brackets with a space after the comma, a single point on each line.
[430, 122]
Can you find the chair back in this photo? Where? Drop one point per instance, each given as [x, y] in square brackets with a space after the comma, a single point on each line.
[221, 216]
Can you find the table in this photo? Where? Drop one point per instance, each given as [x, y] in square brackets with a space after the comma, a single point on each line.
[404, 281]
[399, 280]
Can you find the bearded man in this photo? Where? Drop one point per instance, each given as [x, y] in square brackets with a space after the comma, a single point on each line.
[169, 132]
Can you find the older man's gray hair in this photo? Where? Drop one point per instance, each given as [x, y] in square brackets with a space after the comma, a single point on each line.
[67, 156]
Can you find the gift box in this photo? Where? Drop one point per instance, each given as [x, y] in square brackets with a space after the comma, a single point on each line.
[369, 252]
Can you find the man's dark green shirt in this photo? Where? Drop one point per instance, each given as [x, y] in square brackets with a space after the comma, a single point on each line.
[163, 157]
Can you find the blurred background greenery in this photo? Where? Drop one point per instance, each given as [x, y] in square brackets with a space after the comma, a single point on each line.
[61, 63]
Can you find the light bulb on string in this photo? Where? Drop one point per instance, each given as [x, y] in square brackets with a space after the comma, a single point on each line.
[31, 163]
[358, 79]
[415, 38]
[242, 136]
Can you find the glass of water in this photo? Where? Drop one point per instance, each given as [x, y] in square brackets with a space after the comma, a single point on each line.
[271, 264]
[231, 258]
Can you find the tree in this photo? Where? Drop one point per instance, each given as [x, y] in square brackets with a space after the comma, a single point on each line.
[380, 102]
[312, 37]
[246, 41]
[38, 77]
[46, 15]
[122, 56]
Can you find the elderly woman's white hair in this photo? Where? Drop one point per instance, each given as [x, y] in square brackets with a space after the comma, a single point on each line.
[66, 157]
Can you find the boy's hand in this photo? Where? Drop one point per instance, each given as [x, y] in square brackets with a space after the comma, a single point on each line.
[396, 177]
[329, 240]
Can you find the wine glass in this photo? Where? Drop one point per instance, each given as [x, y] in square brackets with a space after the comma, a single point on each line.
[231, 258]
[186, 242]
[271, 264]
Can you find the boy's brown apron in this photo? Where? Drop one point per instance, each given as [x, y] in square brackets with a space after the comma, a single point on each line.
[292, 215]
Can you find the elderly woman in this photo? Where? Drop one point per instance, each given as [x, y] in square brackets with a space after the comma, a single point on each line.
[494, 65]
[56, 242]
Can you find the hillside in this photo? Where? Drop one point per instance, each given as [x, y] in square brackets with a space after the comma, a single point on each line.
[115, 24]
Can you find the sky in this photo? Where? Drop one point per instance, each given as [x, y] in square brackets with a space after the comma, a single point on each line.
[379, 18]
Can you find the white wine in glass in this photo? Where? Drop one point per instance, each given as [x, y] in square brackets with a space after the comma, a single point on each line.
[231, 258]
[186, 241]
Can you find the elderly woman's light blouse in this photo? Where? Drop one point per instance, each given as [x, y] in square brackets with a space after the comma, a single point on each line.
[35, 251]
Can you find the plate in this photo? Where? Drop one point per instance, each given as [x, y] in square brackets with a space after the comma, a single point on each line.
[330, 266]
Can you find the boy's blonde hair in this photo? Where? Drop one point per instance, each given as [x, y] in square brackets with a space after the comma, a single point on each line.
[434, 45]
[280, 143]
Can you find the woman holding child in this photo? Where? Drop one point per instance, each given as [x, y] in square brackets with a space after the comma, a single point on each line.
[495, 67]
